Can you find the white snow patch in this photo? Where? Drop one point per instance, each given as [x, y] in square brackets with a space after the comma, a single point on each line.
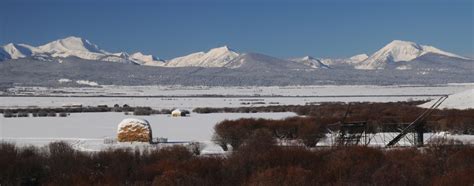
[87, 82]
[132, 122]
[403, 67]
[461, 100]
[64, 80]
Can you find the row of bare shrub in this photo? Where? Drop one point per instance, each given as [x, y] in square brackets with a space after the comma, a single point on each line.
[57, 110]
[257, 162]
[234, 132]
[35, 114]
[299, 109]
[378, 115]
[43, 112]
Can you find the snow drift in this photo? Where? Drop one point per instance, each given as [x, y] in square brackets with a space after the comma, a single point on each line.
[461, 100]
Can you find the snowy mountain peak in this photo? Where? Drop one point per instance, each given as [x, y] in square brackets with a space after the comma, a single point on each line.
[307, 58]
[400, 51]
[9, 45]
[139, 55]
[71, 43]
[216, 57]
[397, 54]
[122, 54]
[358, 58]
[401, 42]
[74, 47]
[220, 50]
[143, 59]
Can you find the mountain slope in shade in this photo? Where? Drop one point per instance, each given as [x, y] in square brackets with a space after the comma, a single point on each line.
[217, 57]
[343, 62]
[311, 62]
[399, 51]
[434, 63]
[4, 55]
[16, 51]
[263, 63]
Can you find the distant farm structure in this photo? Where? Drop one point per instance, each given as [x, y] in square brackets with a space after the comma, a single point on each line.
[179, 113]
[388, 125]
[360, 133]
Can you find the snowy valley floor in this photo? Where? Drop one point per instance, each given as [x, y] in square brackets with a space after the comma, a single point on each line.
[87, 131]
[167, 97]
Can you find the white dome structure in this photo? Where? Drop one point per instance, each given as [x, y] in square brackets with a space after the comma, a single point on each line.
[176, 113]
[134, 130]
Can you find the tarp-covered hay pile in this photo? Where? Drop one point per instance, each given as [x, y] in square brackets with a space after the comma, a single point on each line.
[134, 130]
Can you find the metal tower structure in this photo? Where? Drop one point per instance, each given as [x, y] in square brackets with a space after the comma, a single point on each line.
[417, 125]
[352, 133]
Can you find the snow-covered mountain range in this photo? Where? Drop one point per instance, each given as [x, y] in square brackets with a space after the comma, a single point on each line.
[400, 51]
[397, 55]
[74, 47]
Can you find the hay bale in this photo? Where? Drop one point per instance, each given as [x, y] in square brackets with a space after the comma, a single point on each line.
[134, 130]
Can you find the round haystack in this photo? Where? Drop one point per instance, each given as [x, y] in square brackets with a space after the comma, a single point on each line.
[134, 130]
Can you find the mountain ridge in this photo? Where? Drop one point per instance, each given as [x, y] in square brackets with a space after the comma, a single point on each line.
[399, 51]
[394, 55]
[216, 57]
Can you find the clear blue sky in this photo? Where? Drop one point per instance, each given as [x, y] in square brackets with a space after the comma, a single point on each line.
[170, 28]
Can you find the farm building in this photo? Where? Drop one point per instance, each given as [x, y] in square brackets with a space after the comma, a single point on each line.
[134, 130]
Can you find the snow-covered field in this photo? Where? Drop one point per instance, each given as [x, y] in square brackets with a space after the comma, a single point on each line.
[87, 131]
[460, 100]
[187, 102]
[192, 97]
[323, 90]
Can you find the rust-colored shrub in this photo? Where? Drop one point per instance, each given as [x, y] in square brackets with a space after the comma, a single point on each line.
[235, 132]
[282, 176]
[455, 121]
[353, 165]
